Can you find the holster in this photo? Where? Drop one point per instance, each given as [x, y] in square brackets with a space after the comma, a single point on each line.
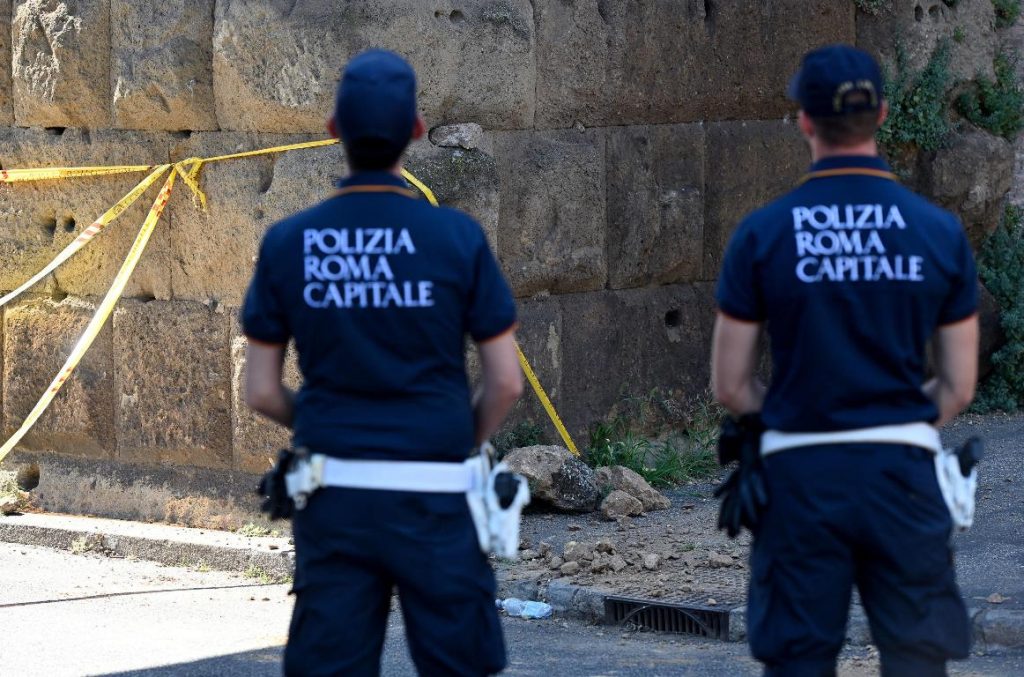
[273, 487]
[496, 503]
[744, 493]
[958, 480]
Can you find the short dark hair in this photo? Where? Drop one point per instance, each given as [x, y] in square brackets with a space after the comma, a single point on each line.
[849, 129]
[370, 154]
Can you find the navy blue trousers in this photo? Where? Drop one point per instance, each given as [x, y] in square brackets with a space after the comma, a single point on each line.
[353, 548]
[868, 515]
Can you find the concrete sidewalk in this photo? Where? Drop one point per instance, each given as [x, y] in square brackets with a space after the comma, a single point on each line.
[990, 557]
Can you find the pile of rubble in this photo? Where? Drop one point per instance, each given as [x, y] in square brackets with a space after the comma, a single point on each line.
[560, 481]
[15, 488]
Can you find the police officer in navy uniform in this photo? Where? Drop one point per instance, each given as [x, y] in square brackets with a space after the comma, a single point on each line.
[379, 290]
[850, 274]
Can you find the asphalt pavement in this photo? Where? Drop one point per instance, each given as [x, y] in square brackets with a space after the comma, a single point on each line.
[89, 614]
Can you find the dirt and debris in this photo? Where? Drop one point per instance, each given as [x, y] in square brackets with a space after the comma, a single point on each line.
[674, 554]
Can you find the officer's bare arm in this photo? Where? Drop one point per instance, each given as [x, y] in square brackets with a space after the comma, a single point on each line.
[956, 367]
[264, 391]
[501, 384]
[733, 360]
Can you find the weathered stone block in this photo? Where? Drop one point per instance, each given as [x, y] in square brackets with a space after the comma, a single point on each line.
[214, 252]
[162, 64]
[748, 164]
[255, 439]
[173, 383]
[655, 204]
[540, 337]
[40, 219]
[38, 338]
[474, 59]
[977, 195]
[635, 62]
[919, 26]
[628, 343]
[61, 63]
[6, 86]
[551, 230]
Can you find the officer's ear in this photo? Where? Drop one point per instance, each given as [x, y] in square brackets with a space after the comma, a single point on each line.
[805, 124]
[883, 113]
[419, 128]
[332, 127]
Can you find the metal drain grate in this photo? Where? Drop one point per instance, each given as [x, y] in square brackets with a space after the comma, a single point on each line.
[685, 619]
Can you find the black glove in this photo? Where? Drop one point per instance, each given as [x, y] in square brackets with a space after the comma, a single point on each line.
[744, 494]
[277, 503]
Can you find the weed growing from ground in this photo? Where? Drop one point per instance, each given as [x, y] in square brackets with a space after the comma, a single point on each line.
[253, 530]
[679, 457]
[523, 434]
[917, 102]
[996, 106]
[1007, 12]
[1001, 268]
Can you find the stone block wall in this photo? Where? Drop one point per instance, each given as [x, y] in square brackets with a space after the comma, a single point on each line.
[608, 149]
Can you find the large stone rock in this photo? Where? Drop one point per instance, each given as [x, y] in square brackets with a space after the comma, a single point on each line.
[214, 252]
[61, 63]
[162, 64]
[919, 26]
[255, 439]
[551, 233]
[620, 504]
[557, 478]
[635, 62]
[978, 195]
[38, 337]
[620, 478]
[655, 204]
[173, 383]
[748, 164]
[41, 218]
[474, 59]
[6, 86]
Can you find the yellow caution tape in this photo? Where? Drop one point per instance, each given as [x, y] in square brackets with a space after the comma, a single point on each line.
[106, 307]
[49, 173]
[89, 233]
[545, 401]
[189, 171]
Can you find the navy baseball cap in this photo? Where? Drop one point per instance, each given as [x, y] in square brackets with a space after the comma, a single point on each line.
[376, 100]
[837, 80]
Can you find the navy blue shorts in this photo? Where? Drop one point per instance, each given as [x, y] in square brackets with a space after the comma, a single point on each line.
[845, 515]
[353, 548]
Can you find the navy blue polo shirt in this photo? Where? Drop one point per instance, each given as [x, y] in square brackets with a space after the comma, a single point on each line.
[379, 289]
[852, 274]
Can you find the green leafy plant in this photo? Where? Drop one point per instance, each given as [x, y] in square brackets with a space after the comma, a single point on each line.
[917, 102]
[682, 455]
[523, 434]
[996, 106]
[1001, 268]
[1007, 12]
[959, 35]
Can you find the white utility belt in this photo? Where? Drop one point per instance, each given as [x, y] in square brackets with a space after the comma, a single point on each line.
[914, 434]
[433, 477]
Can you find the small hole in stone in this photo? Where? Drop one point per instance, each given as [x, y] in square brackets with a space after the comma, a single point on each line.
[456, 17]
[438, 14]
[182, 134]
[49, 225]
[58, 294]
[258, 214]
[56, 131]
[69, 225]
[934, 12]
[919, 13]
[673, 318]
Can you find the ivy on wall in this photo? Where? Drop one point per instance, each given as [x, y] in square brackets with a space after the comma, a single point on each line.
[996, 106]
[917, 102]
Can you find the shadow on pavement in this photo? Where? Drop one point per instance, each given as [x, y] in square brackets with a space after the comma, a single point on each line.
[259, 663]
[107, 595]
